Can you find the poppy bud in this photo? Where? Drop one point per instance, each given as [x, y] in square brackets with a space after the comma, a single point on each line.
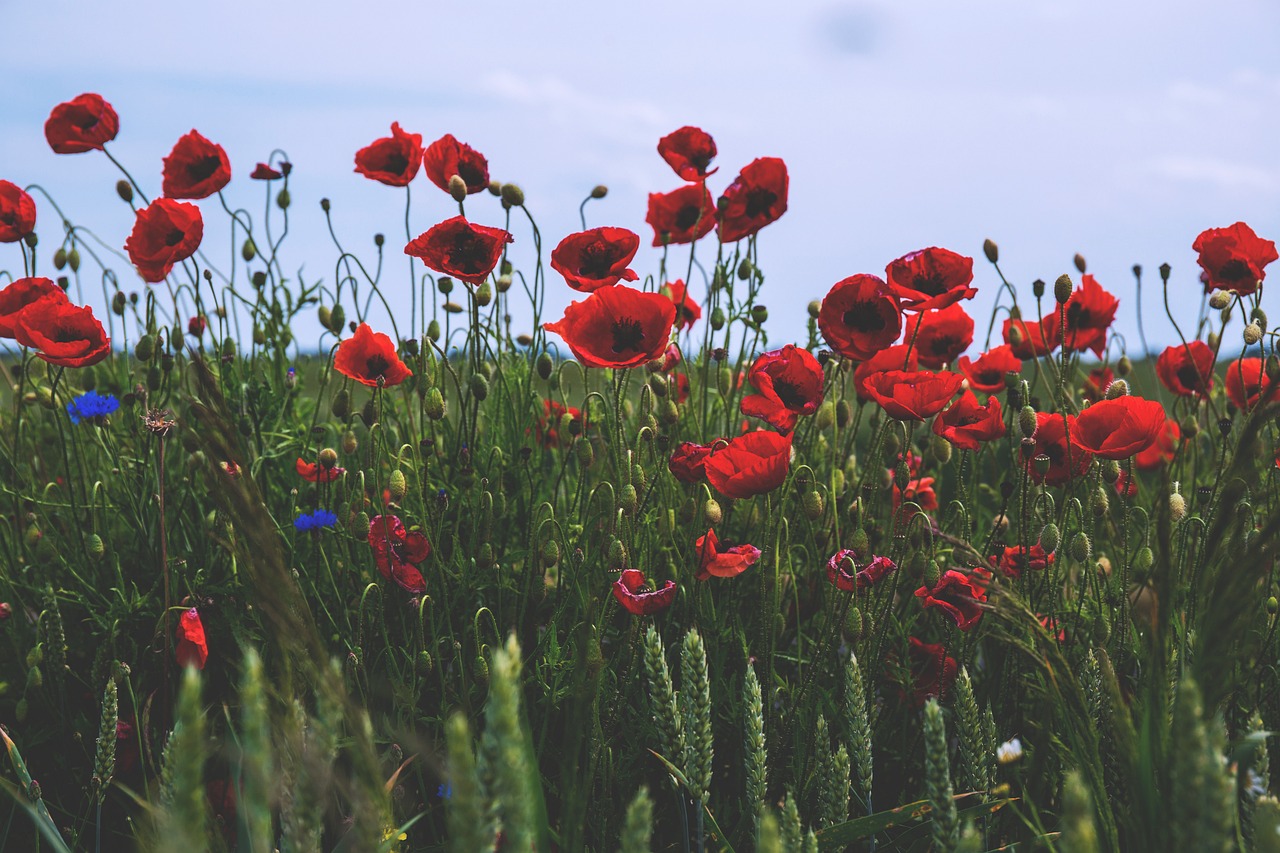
[504, 283]
[6, 610]
[458, 188]
[282, 199]
[1252, 334]
[1027, 422]
[95, 546]
[826, 415]
[1037, 290]
[717, 318]
[1079, 262]
[724, 381]
[813, 505]
[902, 475]
[1124, 366]
[484, 294]
[928, 569]
[1177, 506]
[73, 261]
[1081, 548]
[35, 678]
[434, 404]
[844, 413]
[711, 512]
[495, 188]
[892, 444]
[550, 553]
[1220, 299]
[398, 485]
[452, 307]
[144, 349]
[433, 330]
[248, 251]
[991, 250]
[1212, 339]
[1111, 472]
[545, 365]
[941, 449]
[479, 386]
[512, 195]
[324, 205]
[586, 453]
[117, 303]
[341, 406]
[124, 189]
[1042, 462]
[815, 308]
[259, 336]
[853, 624]
[1143, 560]
[349, 442]
[60, 258]
[1117, 389]
[337, 319]
[658, 385]
[668, 413]
[1049, 537]
[1101, 503]
[759, 314]
[1062, 288]
[482, 669]
[617, 554]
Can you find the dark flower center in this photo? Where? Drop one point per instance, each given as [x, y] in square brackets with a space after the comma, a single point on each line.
[86, 121]
[790, 395]
[942, 347]
[628, 335]
[9, 217]
[596, 260]
[989, 377]
[376, 365]
[471, 172]
[688, 216]
[932, 285]
[173, 238]
[204, 168]
[1234, 270]
[863, 317]
[470, 254]
[700, 161]
[1189, 377]
[759, 202]
[395, 163]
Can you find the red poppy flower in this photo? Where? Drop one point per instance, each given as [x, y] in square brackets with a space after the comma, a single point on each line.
[165, 233]
[958, 595]
[681, 389]
[892, 358]
[687, 310]
[1089, 313]
[919, 491]
[966, 424]
[193, 648]
[756, 197]
[789, 382]
[1119, 428]
[548, 427]
[843, 571]
[1125, 485]
[1066, 460]
[314, 473]
[369, 356]
[1096, 383]
[1233, 258]
[230, 468]
[84, 123]
[931, 278]
[942, 335]
[1186, 370]
[750, 464]
[1246, 381]
[590, 260]
[195, 168]
[986, 373]
[264, 172]
[689, 151]
[392, 160]
[688, 462]
[681, 216]
[715, 561]
[1016, 560]
[459, 248]
[196, 326]
[933, 672]
[398, 552]
[671, 355]
[860, 316]
[1162, 450]
[630, 592]
[617, 327]
[447, 157]
[17, 213]
[1031, 339]
[21, 293]
[913, 395]
[61, 333]
[1054, 628]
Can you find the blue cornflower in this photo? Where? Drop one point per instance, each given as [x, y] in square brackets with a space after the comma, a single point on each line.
[91, 405]
[445, 791]
[315, 520]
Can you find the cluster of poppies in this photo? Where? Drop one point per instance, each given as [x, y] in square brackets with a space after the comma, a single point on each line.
[37, 313]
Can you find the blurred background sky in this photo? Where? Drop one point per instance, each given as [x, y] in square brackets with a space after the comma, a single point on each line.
[1118, 130]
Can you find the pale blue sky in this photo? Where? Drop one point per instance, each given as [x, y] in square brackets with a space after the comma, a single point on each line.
[1117, 130]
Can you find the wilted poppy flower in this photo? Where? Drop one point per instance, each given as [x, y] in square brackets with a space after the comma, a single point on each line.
[84, 123]
[17, 213]
[843, 571]
[630, 592]
[447, 157]
[750, 464]
[913, 395]
[165, 233]
[21, 293]
[933, 672]
[548, 427]
[590, 260]
[1119, 428]
[369, 356]
[919, 491]
[687, 463]
[986, 373]
[931, 278]
[1066, 460]
[617, 327]
[681, 216]
[392, 160]
[264, 172]
[897, 357]
[315, 473]
[689, 151]
[1089, 313]
[966, 424]
[723, 562]
[1162, 450]
[1233, 258]
[1246, 380]
[1031, 338]
[687, 310]
[958, 595]
[789, 382]
[756, 197]
[195, 168]
[193, 648]
[63, 334]
[942, 335]
[860, 317]
[1015, 560]
[1186, 370]
[459, 248]
[398, 552]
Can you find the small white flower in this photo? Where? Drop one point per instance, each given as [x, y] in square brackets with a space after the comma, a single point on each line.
[1009, 751]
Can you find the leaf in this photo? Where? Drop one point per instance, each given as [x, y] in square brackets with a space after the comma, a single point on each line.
[841, 835]
[38, 811]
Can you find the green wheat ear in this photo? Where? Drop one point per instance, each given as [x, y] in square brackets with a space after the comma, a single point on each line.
[1079, 834]
[755, 757]
[859, 729]
[183, 825]
[1202, 795]
[465, 811]
[946, 824]
[504, 748]
[696, 701]
[662, 698]
[769, 839]
[638, 826]
[104, 760]
[975, 757]
[792, 828]
[255, 755]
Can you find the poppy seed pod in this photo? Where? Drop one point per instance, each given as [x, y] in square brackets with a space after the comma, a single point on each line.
[1081, 548]
[1049, 538]
[1062, 288]
[1037, 288]
[991, 250]
[815, 308]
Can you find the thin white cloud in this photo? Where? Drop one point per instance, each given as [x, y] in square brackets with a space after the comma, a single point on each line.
[1222, 174]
